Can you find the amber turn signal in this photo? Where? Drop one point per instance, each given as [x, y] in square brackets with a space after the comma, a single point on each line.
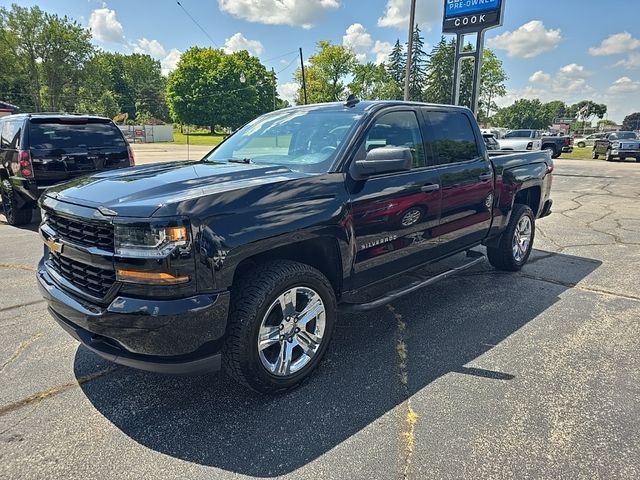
[150, 278]
[177, 234]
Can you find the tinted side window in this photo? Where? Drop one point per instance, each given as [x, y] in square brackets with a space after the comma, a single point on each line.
[398, 129]
[452, 136]
[11, 134]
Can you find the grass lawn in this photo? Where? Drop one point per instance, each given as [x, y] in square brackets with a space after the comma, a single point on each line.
[578, 154]
[204, 139]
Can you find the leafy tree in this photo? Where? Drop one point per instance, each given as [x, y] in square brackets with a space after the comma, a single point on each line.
[524, 113]
[372, 82]
[49, 53]
[557, 109]
[326, 73]
[419, 65]
[492, 78]
[632, 122]
[591, 109]
[207, 89]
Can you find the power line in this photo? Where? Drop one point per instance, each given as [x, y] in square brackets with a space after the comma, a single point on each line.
[198, 25]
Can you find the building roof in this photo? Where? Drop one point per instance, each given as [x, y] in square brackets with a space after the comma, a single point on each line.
[7, 107]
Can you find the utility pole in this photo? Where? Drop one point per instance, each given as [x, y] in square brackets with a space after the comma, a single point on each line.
[407, 77]
[273, 74]
[304, 80]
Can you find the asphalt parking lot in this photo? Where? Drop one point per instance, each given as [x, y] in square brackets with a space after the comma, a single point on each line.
[529, 375]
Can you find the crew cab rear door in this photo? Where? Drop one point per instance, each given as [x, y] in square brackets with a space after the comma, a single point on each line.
[67, 147]
[394, 214]
[466, 176]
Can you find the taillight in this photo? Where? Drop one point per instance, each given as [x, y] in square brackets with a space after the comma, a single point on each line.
[26, 169]
[530, 146]
[132, 158]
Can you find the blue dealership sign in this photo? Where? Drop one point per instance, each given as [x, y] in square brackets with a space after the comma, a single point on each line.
[468, 16]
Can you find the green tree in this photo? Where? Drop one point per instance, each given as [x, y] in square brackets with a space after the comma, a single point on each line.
[327, 72]
[419, 66]
[586, 110]
[207, 88]
[372, 82]
[524, 113]
[557, 109]
[439, 81]
[631, 122]
[49, 53]
[397, 68]
[493, 78]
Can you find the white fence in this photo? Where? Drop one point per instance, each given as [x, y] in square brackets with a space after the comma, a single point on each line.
[147, 133]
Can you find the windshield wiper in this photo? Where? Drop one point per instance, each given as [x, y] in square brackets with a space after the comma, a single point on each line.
[245, 161]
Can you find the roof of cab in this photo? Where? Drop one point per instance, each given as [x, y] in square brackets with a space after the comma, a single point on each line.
[364, 106]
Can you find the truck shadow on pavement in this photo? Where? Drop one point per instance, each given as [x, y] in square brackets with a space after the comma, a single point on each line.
[211, 421]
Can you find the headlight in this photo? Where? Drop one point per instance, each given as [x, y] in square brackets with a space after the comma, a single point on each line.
[615, 144]
[150, 241]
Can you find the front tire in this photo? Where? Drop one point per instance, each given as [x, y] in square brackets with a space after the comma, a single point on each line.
[594, 155]
[14, 214]
[609, 157]
[582, 145]
[515, 245]
[280, 323]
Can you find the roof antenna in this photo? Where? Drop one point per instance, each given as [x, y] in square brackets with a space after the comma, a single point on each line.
[352, 101]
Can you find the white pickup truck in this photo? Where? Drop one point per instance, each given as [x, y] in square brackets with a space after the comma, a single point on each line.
[522, 140]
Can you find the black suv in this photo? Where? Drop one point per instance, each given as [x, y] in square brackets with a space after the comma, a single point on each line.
[38, 151]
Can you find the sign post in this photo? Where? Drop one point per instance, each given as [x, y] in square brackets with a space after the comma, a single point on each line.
[464, 17]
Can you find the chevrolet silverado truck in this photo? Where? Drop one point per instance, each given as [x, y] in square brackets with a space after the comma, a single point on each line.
[617, 145]
[245, 258]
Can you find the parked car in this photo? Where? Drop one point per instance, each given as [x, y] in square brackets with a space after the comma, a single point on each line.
[522, 140]
[557, 145]
[245, 258]
[38, 151]
[490, 141]
[589, 140]
[618, 145]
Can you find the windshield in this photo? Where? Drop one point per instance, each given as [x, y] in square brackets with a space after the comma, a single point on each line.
[303, 140]
[625, 136]
[519, 134]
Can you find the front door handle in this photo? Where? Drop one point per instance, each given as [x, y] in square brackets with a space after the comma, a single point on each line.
[486, 176]
[432, 187]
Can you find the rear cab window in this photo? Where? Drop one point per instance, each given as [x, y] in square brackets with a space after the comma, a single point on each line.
[452, 137]
[45, 135]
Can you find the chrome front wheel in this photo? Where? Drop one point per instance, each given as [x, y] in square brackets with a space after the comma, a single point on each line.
[292, 331]
[522, 239]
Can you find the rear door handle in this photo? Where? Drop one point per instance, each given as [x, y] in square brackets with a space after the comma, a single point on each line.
[432, 187]
[486, 176]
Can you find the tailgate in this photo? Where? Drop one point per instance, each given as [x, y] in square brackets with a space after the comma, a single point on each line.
[62, 149]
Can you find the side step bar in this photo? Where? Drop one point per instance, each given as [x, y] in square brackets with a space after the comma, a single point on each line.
[366, 307]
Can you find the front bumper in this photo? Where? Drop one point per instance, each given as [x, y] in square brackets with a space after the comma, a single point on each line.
[180, 336]
[626, 153]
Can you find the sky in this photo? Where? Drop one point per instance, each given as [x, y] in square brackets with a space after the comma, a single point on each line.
[568, 50]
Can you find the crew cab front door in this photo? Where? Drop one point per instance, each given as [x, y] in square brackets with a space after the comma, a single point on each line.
[394, 215]
[466, 178]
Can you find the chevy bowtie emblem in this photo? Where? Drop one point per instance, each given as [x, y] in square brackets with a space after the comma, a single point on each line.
[55, 245]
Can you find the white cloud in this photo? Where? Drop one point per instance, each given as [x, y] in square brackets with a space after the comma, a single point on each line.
[105, 26]
[170, 62]
[382, 50]
[396, 13]
[358, 40]
[150, 47]
[624, 85]
[630, 63]
[540, 77]
[297, 13]
[614, 44]
[289, 92]
[239, 42]
[528, 41]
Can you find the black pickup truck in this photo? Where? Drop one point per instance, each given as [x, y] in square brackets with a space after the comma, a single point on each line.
[246, 257]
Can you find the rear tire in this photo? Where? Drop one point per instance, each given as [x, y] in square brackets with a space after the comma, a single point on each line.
[256, 314]
[582, 145]
[507, 256]
[14, 214]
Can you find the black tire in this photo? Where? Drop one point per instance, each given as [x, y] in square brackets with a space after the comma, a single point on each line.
[14, 214]
[552, 150]
[502, 257]
[251, 298]
[594, 155]
[582, 145]
[623, 159]
[609, 157]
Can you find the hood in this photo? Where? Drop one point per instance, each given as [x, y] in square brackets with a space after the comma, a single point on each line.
[141, 191]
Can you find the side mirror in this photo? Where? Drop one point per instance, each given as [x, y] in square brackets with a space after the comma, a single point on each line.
[382, 160]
